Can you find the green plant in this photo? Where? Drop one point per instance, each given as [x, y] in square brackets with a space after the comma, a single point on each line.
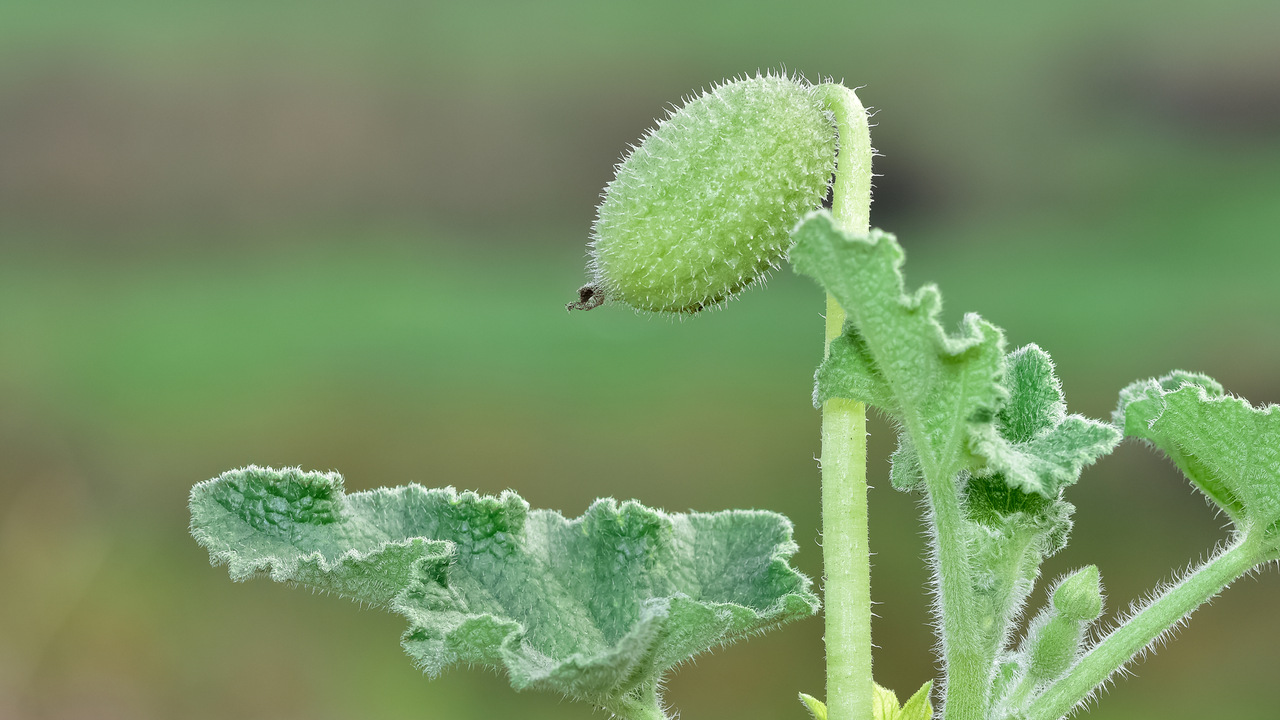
[601, 607]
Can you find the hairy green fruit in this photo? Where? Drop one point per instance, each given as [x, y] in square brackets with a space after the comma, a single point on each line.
[703, 207]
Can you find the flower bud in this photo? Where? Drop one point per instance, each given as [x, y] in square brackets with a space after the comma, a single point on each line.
[1054, 648]
[703, 207]
[1079, 597]
[1056, 636]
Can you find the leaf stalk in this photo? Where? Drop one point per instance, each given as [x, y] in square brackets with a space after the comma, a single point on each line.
[968, 667]
[1143, 629]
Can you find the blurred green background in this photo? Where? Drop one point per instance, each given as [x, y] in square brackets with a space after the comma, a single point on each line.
[341, 237]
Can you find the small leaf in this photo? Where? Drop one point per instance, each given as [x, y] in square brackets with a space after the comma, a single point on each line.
[1034, 445]
[817, 708]
[1034, 450]
[1013, 415]
[596, 608]
[850, 372]
[943, 387]
[904, 468]
[917, 706]
[1229, 449]
[884, 703]
[1035, 403]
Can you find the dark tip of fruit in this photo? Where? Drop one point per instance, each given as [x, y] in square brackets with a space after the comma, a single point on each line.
[589, 298]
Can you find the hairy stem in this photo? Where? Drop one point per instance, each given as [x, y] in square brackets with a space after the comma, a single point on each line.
[1126, 641]
[1018, 698]
[846, 559]
[640, 704]
[968, 666]
[851, 197]
[845, 549]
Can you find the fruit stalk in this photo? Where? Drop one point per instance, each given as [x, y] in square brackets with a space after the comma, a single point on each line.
[845, 549]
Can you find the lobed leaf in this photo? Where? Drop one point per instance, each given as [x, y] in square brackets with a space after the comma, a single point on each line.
[596, 608]
[894, 353]
[1033, 444]
[968, 404]
[1229, 449]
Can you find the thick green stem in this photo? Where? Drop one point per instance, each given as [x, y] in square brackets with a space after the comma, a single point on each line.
[1126, 641]
[847, 561]
[968, 667]
[845, 550]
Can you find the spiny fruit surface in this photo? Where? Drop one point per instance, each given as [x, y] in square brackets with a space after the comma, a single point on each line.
[703, 207]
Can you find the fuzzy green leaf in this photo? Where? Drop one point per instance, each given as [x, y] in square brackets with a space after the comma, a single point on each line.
[904, 468]
[817, 708]
[1034, 445]
[1034, 449]
[917, 707]
[850, 372]
[596, 608]
[1035, 403]
[1229, 449]
[884, 703]
[1015, 507]
[994, 414]
[943, 387]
